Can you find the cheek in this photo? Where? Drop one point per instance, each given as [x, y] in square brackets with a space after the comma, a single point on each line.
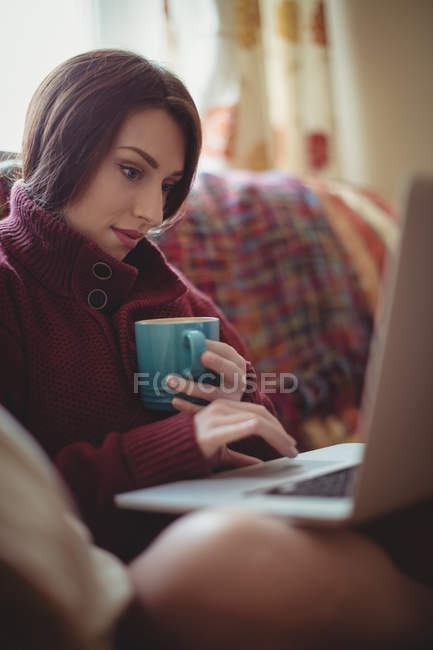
[105, 202]
[93, 215]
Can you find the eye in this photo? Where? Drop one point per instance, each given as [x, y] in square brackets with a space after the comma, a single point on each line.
[131, 173]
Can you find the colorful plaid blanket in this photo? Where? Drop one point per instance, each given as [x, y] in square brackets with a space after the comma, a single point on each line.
[296, 267]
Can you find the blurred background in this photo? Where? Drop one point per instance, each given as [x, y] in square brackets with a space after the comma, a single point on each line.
[340, 89]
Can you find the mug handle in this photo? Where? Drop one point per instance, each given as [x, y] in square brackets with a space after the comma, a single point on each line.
[196, 342]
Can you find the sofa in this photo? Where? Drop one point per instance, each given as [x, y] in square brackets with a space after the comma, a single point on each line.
[296, 266]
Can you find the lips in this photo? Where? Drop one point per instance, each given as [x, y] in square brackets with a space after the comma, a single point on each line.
[128, 238]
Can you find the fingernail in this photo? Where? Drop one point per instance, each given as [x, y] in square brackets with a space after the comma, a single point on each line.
[292, 452]
[173, 381]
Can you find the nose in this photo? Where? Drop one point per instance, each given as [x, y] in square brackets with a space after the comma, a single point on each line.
[149, 204]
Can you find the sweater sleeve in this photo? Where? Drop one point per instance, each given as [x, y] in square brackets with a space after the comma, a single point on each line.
[151, 454]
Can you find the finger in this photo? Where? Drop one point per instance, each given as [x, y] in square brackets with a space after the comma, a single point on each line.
[231, 430]
[277, 436]
[218, 362]
[203, 390]
[254, 409]
[230, 372]
[200, 389]
[225, 350]
[229, 419]
[185, 406]
[223, 405]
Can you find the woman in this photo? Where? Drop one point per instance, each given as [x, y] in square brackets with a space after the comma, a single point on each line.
[110, 148]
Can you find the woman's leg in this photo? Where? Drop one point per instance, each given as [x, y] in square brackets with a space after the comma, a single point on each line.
[222, 579]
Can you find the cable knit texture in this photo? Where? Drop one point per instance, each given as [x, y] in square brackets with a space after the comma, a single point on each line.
[67, 367]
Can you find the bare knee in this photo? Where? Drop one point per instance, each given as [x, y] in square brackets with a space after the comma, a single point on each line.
[230, 579]
[207, 581]
[204, 549]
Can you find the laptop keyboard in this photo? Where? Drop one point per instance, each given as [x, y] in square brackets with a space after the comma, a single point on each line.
[335, 484]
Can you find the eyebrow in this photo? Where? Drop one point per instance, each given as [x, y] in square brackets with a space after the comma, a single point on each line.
[149, 159]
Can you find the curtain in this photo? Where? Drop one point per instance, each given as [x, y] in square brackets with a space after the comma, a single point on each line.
[275, 110]
[257, 69]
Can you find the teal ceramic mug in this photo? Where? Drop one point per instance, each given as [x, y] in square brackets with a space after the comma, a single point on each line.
[172, 346]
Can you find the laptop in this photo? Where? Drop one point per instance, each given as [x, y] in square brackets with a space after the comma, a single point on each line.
[393, 468]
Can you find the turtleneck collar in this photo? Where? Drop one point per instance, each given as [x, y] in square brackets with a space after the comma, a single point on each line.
[69, 264]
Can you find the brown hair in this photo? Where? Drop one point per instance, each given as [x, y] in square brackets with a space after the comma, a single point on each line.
[76, 112]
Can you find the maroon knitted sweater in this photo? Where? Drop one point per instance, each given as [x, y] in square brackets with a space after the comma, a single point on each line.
[67, 366]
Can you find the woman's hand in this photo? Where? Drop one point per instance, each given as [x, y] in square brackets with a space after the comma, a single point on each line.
[224, 421]
[226, 362]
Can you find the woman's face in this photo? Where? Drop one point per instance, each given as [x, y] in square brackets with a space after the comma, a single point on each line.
[126, 196]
